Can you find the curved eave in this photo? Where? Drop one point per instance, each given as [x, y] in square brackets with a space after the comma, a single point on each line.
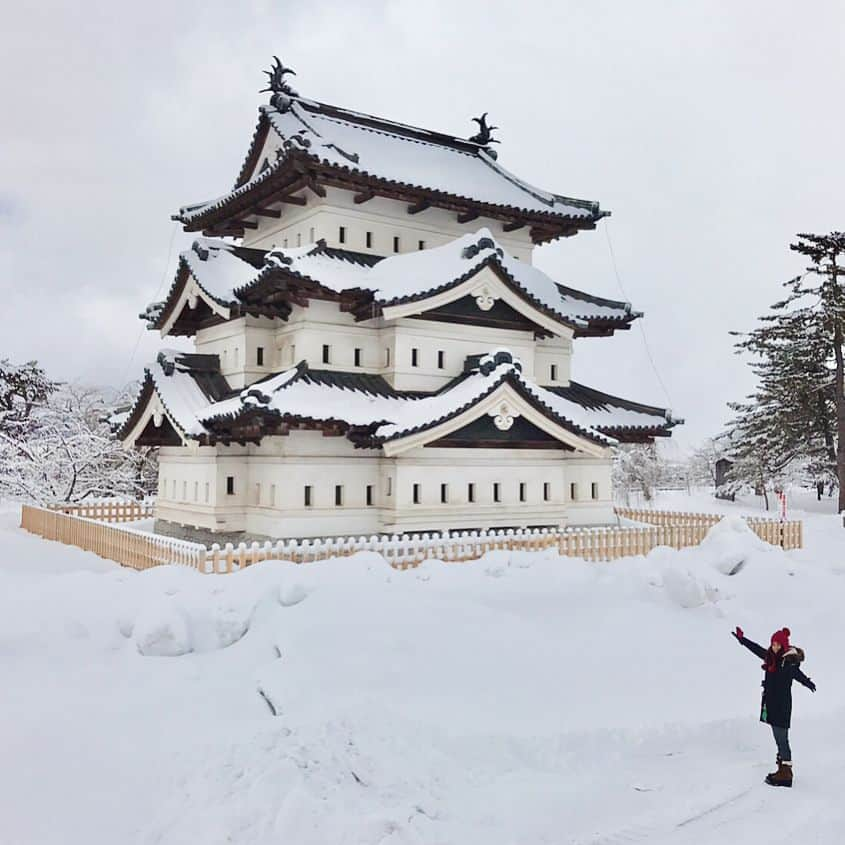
[491, 262]
[286, 176]
[527, 395]
[141, 409]
[175, 303]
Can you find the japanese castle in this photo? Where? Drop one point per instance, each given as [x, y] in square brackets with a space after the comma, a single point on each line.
[373, 350]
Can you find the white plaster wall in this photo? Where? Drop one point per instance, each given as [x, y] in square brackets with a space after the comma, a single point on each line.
[552, 351]
[584, 509]
[308, 329]
[270, 482]
[236, 343]
[384, 218]
[455, 341]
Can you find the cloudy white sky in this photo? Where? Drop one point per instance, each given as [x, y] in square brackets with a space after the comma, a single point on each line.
[712, 130]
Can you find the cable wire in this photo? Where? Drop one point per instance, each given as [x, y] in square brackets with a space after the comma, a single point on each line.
[154, 299]
[660, 381]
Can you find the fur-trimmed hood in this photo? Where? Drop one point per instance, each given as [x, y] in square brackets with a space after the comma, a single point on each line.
[794, 655]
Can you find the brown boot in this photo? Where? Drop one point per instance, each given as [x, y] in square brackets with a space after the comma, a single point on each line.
[783, 776]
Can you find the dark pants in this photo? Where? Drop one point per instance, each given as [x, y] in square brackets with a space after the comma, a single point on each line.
[782, 740]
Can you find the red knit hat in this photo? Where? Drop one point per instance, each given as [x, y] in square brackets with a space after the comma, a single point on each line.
[782, 637]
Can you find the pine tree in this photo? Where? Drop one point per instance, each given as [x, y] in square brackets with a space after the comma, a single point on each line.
[23, 387]
[796, 416]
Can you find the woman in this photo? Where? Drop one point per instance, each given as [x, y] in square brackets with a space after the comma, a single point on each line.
[781, 665]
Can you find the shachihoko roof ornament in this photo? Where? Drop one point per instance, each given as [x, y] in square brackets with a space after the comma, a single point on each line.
[484, 136]
[278, 85]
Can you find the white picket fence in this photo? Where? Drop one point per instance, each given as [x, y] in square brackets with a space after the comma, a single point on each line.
[140, 551]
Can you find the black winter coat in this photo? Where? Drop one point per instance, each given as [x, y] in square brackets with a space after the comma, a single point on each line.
[776, 706]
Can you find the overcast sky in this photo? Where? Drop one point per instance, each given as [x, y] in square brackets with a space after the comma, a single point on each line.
[712, 130]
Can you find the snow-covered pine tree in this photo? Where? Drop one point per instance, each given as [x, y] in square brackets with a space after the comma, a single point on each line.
[796, 416]
[23, 387]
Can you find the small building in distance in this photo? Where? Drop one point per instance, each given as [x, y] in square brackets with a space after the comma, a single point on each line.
[373, 349]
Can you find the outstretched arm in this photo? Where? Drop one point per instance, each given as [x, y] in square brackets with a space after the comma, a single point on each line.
[753, 647]
[803, 679]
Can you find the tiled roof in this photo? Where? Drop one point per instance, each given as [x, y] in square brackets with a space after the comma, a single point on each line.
[392, 153]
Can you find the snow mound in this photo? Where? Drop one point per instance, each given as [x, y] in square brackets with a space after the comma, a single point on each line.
[730, 543]
[162, 630]
[291, 594]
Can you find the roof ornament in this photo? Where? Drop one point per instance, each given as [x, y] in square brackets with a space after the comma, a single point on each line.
[277, 84]
[483, 243]
[495, 358]
[278, 258]
[200, 250]
[484, 136]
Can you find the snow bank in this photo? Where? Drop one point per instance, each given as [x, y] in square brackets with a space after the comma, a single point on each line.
[518, 698]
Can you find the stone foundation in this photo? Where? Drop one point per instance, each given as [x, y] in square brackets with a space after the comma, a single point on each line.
[205, 535]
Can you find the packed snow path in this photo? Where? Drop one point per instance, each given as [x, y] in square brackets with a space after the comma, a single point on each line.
[519, 699]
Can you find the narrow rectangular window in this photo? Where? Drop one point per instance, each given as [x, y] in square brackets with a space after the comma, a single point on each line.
[370, 495]
[338, 495]
[369, 240]
[396, 243]
[230, 485]
[184, 491]
[415, 357]
[311, 235]
[257, 494]
[594, 490]
[259, 356]
[387, 357]
[522, 491]
[173, 495]
[497, 492]
[389, 485]
[573, 491]
[293, 353]
[273, 495]
[441, 360]
[207, 491]
[470, 492]
[197, 491]
[237, 356]
[299, 238]
[341, 234]
[444, 493]
[327, 354]
[309, 495]
[358, 354]
[553, 372]
[421, 244]
[417, 494]
[547, 491]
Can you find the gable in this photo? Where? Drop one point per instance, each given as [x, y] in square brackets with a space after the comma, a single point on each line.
[505, 405]
[466, 311]
[162, 435]
[485, 289]
[483, 433]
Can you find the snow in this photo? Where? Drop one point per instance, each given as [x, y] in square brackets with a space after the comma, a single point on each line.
[393, 156]
[398, 158]
[221, 271]
[288, 394]
[179, 393]
[412, 274]
[519, 698]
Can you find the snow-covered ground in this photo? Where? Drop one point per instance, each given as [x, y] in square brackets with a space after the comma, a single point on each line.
[519, 699]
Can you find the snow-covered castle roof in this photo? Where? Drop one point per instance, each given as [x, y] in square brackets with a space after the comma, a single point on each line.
[336, 146]
[238, 278]
[366, 408]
